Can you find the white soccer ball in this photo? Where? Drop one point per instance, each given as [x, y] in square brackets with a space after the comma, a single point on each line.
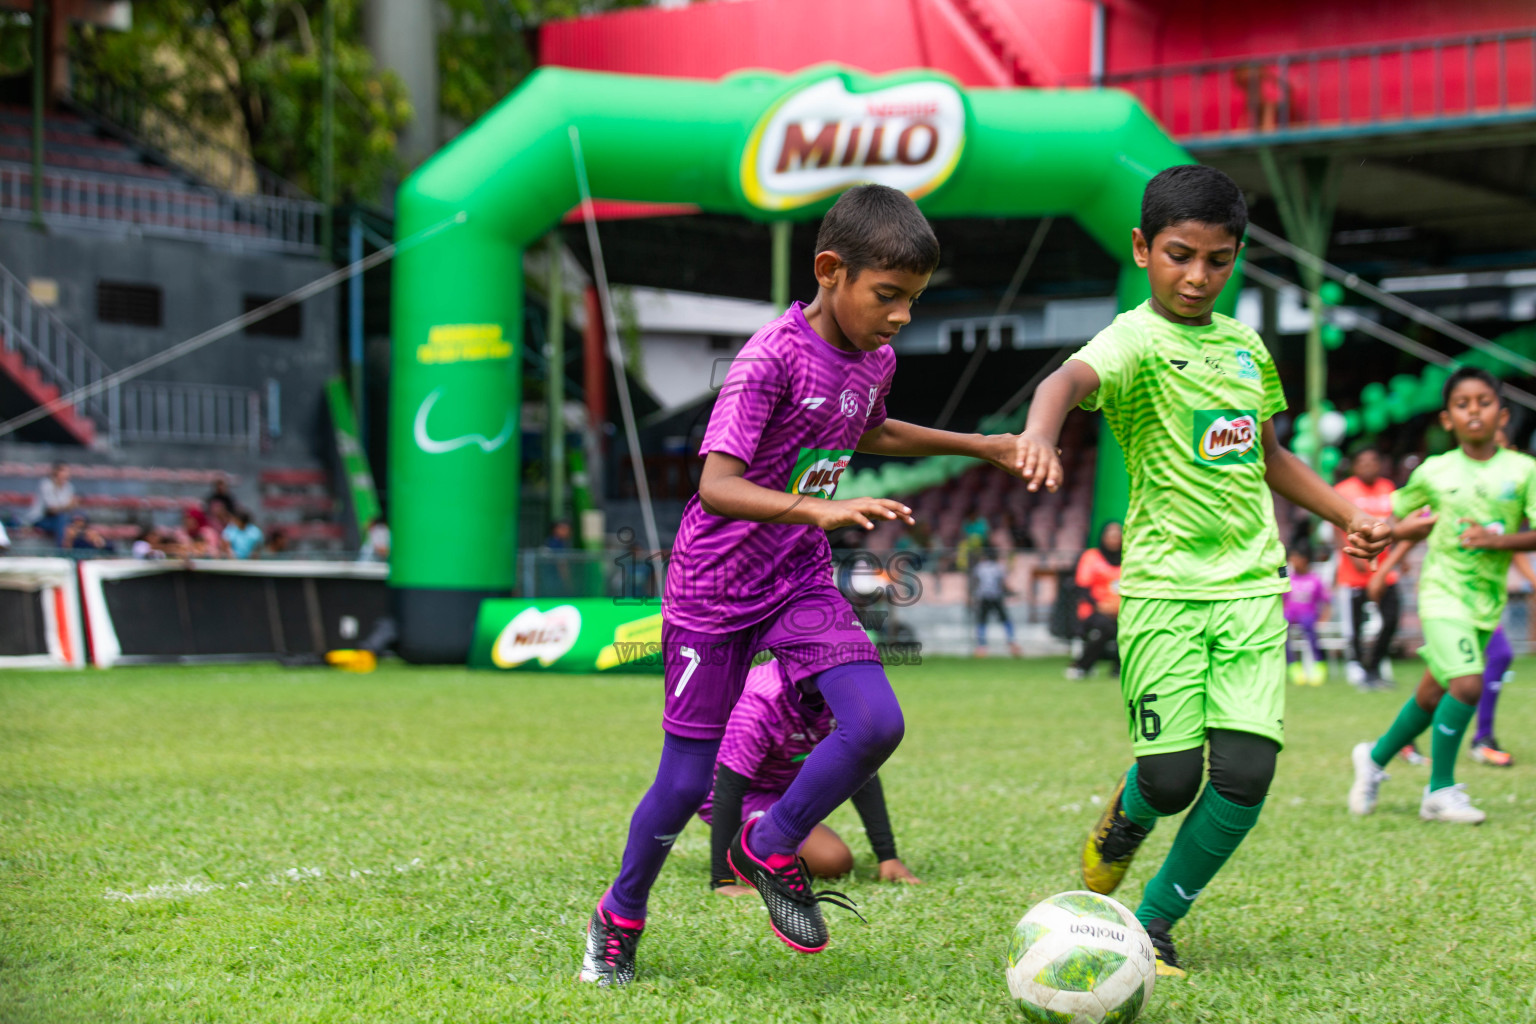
[1080, 958]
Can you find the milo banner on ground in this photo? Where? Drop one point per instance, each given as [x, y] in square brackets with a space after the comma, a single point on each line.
[583, 634]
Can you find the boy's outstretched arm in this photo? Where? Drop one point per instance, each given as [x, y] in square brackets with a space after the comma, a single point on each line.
[1294, 480]
[1037, 458]
[897, 437]
[725, 491]
[1478, 536]
[1377, 585]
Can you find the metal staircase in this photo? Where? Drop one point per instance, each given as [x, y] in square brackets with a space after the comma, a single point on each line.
[41, 359]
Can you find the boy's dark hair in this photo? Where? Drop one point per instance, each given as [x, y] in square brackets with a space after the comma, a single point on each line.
[878, 226]
[1193, 192]
[1469, 373]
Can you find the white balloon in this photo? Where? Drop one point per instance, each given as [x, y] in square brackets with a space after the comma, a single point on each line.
[1331, 427]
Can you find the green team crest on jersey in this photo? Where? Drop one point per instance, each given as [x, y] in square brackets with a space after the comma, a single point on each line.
[1225, 437]
[817, 471]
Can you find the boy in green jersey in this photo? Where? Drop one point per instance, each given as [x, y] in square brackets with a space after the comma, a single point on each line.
[1190, 395]
[1479, 492]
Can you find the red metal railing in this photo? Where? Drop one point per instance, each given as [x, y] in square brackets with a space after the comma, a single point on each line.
[1382, 87]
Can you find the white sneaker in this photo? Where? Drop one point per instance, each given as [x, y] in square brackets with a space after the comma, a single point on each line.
[1073, 672]
[1385, 670]
[1368, 780]
[1450, 804]
[1354, 673]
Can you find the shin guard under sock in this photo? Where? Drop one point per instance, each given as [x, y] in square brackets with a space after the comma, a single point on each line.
[683, 779]
[869, 726]
[1405, 728]
[1211, 833]
[1451, 720]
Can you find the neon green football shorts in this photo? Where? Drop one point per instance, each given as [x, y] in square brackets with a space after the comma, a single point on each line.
[1189, 666]
[1453, 649]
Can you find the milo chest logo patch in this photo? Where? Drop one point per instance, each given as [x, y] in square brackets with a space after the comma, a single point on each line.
[817, 471]
[1225, 437]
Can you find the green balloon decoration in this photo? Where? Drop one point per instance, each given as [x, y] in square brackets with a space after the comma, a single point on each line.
[1331, 292]
[1333, 337]
[1328, 461]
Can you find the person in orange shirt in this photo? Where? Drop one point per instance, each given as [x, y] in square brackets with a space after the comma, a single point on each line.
[1098, 571]
[1372, 493]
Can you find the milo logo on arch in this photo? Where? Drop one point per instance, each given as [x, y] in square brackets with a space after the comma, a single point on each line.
[1226, 437]
[817, 471]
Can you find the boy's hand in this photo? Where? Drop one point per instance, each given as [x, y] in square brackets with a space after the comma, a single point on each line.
[863, 512]
[1366, 536]
[1037, 462]
[1477, 535]
[1415, 528]
[734, 890]
[1002, 451]
[894, 870]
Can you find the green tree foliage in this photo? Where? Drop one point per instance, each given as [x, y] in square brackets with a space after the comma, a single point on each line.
[486, 47]
[255, 65]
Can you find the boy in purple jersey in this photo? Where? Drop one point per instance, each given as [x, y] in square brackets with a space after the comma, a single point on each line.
[751, 569]
[772, 730]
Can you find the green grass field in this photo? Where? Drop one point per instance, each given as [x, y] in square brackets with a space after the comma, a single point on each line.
[257, 844]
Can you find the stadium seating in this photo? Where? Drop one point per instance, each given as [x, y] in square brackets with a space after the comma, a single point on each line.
[119, 499]
[91, 174]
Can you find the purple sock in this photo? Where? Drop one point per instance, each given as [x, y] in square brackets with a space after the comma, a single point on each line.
[683, 780]
[1497, 659]
[869, 727]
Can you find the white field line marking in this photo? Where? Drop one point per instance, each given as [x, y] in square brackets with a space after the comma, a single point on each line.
[288, 876]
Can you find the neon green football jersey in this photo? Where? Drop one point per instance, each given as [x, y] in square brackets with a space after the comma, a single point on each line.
[1186, 405]
[1468, 585]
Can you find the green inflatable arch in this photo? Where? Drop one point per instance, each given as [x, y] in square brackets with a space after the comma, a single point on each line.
[763, 146]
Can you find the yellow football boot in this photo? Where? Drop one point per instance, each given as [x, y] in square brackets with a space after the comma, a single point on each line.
[1111, 846]
[1162, 948]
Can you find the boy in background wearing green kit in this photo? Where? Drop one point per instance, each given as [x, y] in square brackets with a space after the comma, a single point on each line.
[1189, 395]
[1479, 492]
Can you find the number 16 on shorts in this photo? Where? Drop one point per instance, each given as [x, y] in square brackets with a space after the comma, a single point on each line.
[1144, 718]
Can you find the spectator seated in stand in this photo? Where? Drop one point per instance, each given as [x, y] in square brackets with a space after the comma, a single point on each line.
[277, 543]
[1098, 571]
[55, 498]
[197, 538]
[80, 535]
[242, 536]
[220, 498]
[974, 536]
[150, 543]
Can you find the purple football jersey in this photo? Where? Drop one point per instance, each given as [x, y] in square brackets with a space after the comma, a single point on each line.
[1307, 596]
[792, 408]
[770, 733]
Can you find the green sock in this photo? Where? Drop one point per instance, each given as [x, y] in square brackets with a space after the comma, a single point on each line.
[1451, 719]
[1410, 721]
[1134, 803]
[1211, 833]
